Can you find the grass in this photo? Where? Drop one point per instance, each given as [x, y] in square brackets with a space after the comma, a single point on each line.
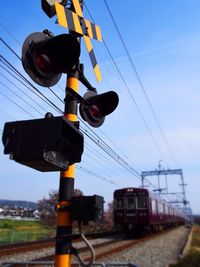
[192, 258]
[12, 231]
[16, 224]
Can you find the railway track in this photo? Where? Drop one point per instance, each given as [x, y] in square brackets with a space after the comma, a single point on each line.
[109, 247]
[10, 249]
[160, 247]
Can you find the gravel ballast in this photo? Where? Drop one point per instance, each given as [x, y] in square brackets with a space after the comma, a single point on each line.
[157, 252]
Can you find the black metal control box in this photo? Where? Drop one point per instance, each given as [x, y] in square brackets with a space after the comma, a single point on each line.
[48, 144]
[87, 208]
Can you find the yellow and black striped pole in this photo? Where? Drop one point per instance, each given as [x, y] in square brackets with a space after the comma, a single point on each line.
[66, 188]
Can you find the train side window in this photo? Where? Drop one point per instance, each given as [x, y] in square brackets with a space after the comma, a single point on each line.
[154, 206]
[142, 202]
[164, 208]
[130, 202]
[160, 207]
[119, 203]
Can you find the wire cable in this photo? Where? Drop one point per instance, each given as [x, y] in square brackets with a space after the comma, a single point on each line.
[17, 105]
[19, 88]
[139, 79]
[5, 86]
[6, 62]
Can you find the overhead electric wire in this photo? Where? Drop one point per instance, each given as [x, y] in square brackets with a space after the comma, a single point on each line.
[139, 79]
[98, 176]
[6, 29]
[6, 44]
[7, 63]
[21, 89]
[17, 105]
[131, 96]
[97, 154]
[135, 103]
[33, 91]
[104, 167]
[105, 159]
[4, 112]
[115, 156]
[5, 86]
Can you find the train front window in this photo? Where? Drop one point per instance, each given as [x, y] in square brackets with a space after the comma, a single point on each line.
[119, 203]
[130, 202]
[142, 202]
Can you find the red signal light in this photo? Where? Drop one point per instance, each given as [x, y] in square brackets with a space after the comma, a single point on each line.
[45, 57]
[94, 113]
[43, 63]
[95, 107]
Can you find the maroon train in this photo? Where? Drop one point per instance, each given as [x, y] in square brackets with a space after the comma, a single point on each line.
[139, 209]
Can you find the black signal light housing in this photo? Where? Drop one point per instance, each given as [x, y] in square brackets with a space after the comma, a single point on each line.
[96, 106]
[45, 57]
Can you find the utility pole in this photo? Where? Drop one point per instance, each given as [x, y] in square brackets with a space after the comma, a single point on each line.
[159, 169]
[66, 188]
[164, 172]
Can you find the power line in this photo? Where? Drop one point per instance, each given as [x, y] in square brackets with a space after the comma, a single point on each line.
[98, 176]
[6, 29]
[139, 79]
[113, 155]
[17, 105]
[19, 97]
[19, 88]
[131, 96]
[7, 63]
[33, 91]
[6, 44]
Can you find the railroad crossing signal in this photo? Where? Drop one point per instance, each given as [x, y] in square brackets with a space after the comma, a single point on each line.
[75, 22]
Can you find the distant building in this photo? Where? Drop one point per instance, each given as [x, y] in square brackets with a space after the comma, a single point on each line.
[1, 211]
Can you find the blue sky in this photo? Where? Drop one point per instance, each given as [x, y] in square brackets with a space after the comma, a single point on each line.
[163, 40]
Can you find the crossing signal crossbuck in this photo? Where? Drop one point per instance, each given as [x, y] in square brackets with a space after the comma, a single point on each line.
[76, 23]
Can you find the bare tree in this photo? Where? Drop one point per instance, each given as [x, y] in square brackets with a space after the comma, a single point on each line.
[46, 207]
[108, 216]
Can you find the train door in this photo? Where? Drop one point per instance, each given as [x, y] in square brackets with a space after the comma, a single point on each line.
[130, 209]
[119, 210]
[143, 208]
